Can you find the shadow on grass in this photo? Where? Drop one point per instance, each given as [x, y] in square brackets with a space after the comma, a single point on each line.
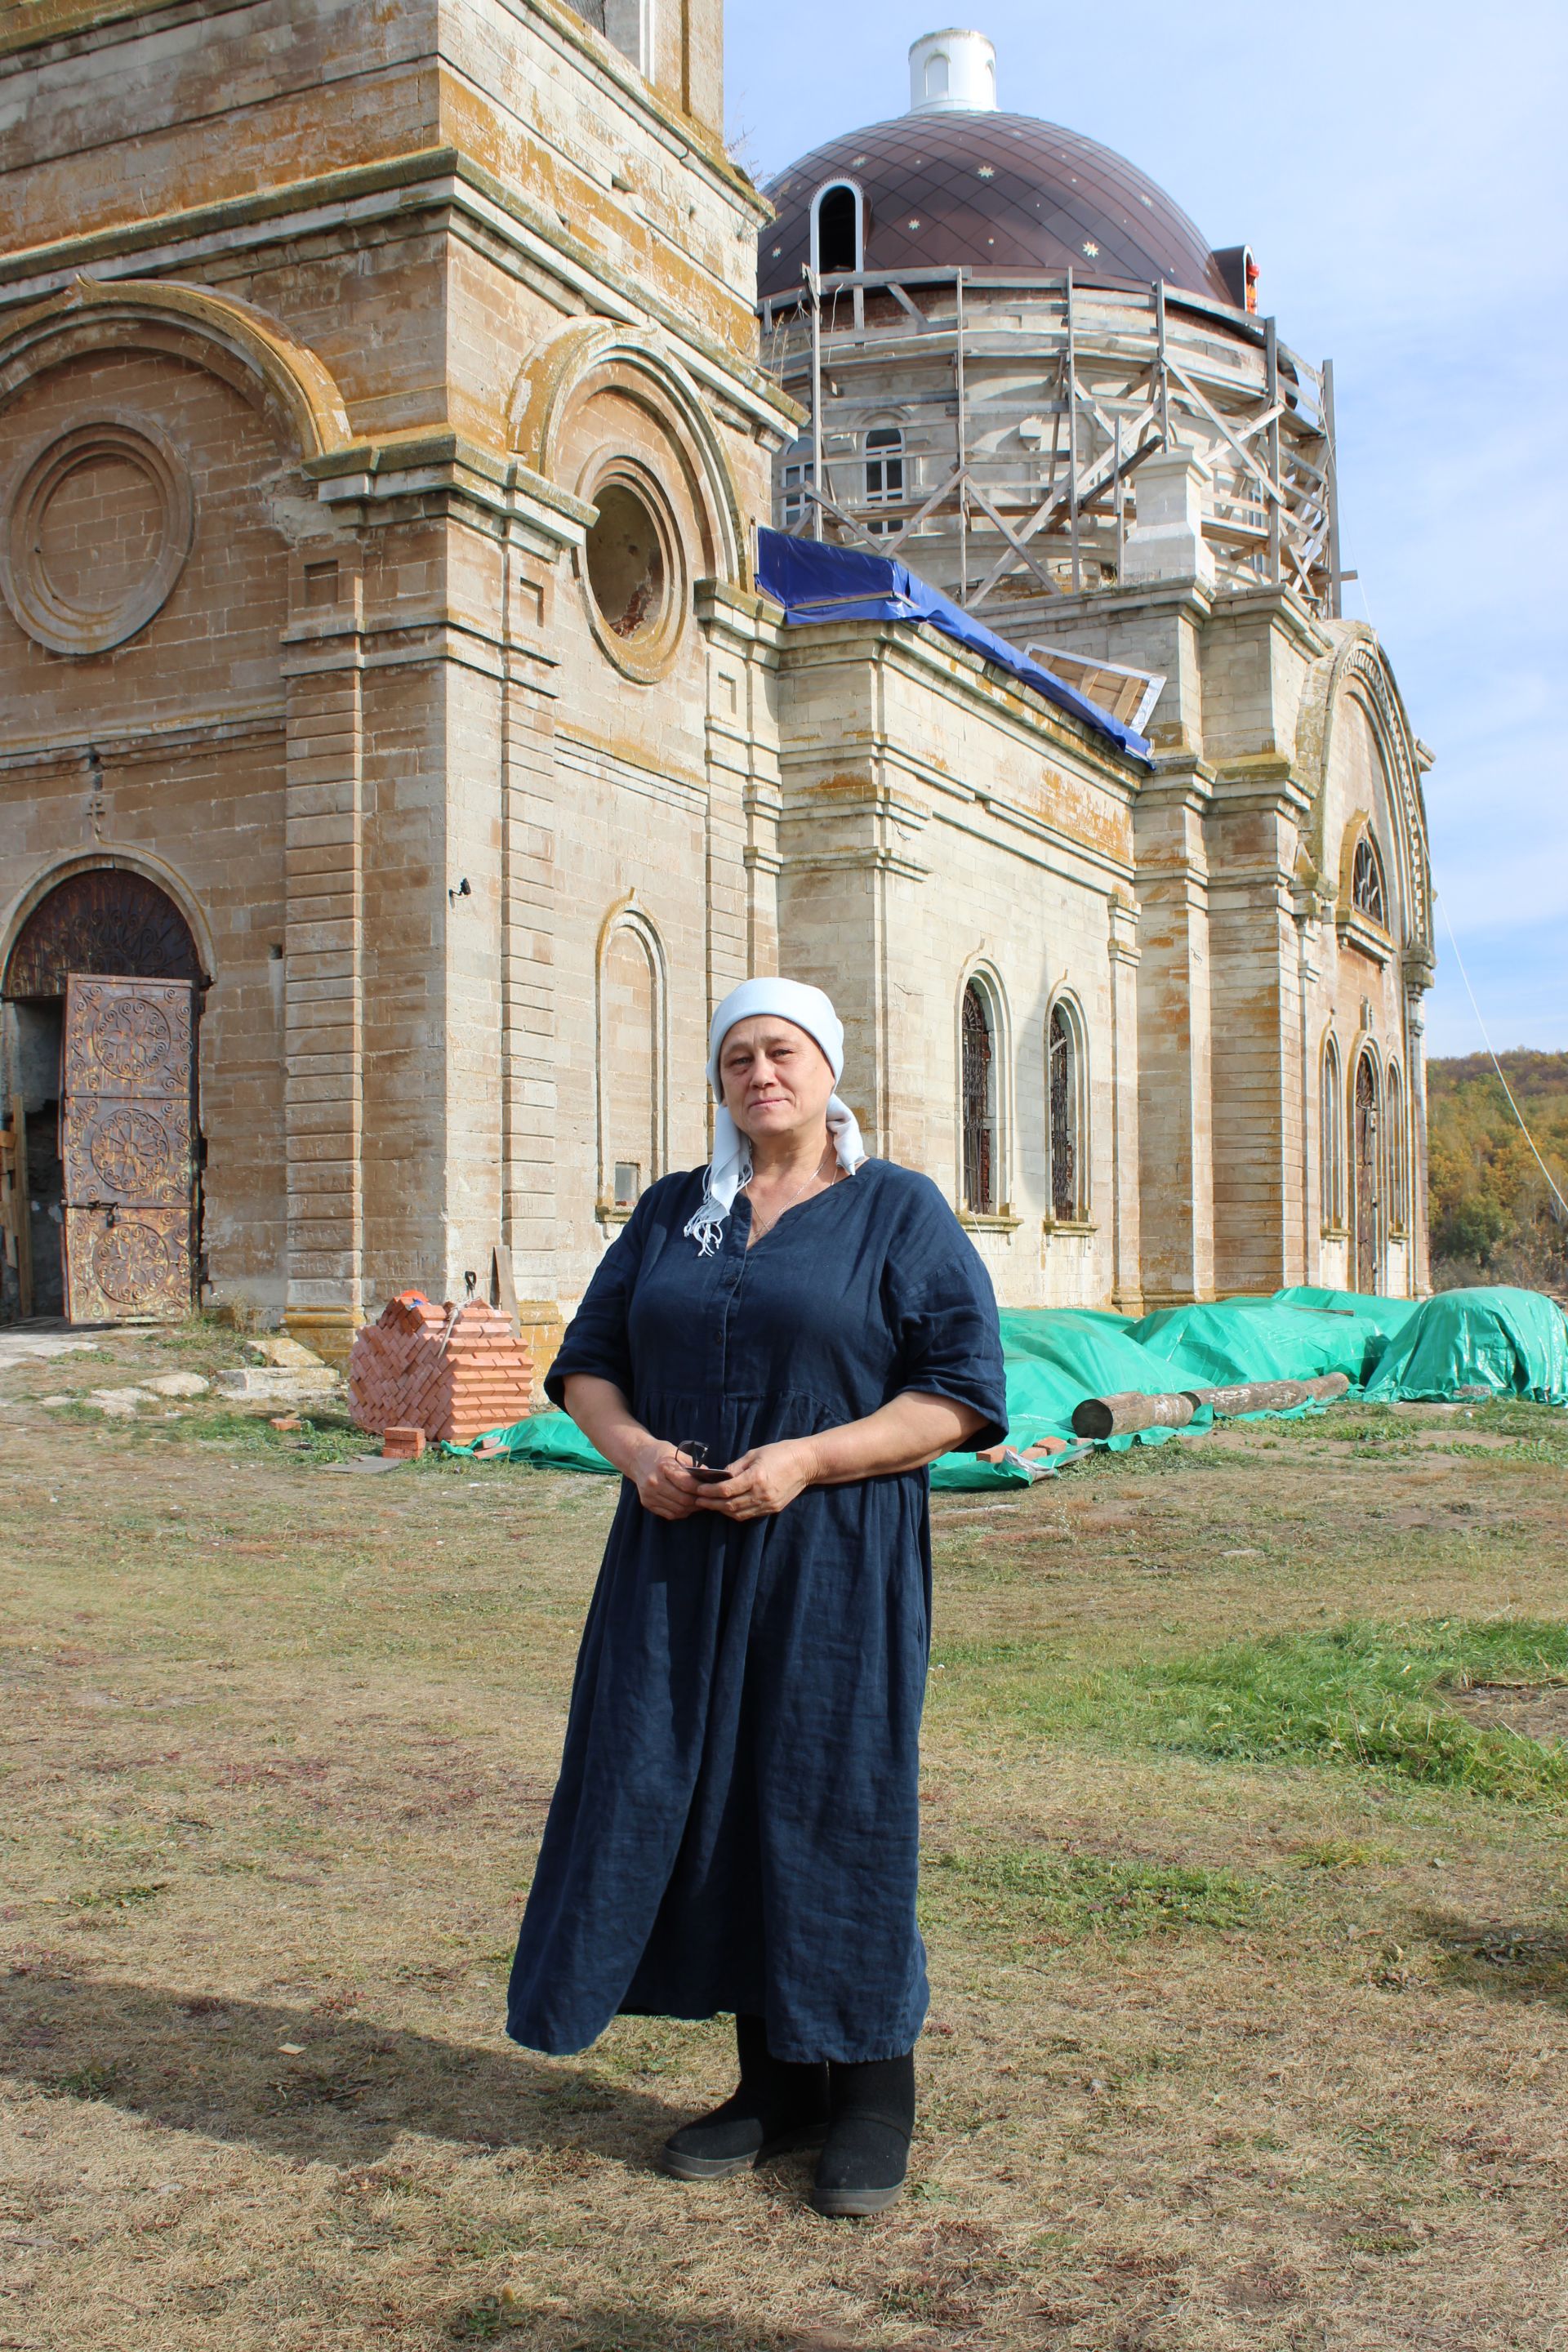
[346, 2093]
[1515, 1964]
[601, 2328]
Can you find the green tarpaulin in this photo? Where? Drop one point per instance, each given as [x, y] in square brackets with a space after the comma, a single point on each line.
[1506, 1342]
[1388, 1316]
[1055, 1357]
[1498, 1342]
[1236, 1340]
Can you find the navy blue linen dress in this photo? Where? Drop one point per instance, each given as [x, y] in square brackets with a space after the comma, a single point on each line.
[736, 1823]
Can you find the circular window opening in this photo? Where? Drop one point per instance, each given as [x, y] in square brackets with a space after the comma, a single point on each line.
[627, 569]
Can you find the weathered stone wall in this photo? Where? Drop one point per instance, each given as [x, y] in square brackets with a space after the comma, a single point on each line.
[482, 262]
[186, 721]
[937, 829]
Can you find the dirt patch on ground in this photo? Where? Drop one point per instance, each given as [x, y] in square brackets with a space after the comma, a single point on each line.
[1538, 1711]
[1223, 2057]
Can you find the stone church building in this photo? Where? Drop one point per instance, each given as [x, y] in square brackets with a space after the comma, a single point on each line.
[398, 759]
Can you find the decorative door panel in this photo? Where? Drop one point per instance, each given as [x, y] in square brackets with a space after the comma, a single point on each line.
[126, 1144]
[128, 1037]
[122, 1264]
[120, 1149]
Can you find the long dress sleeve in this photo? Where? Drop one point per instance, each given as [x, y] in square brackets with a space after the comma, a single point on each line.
[943, 1309]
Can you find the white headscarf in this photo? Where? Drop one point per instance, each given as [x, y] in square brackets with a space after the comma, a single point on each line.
[809, 1009]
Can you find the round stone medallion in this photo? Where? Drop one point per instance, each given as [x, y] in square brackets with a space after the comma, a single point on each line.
[97, 533]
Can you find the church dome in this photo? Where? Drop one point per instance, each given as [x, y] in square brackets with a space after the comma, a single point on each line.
[1005, 192]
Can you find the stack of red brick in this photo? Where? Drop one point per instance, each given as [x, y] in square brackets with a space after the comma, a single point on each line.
[454, 1373]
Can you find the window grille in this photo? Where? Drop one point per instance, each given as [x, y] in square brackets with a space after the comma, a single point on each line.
[979, 1106]
[1330, 1138]
[1366, 882]
[628, 1183]
[884, 474]
[1398, 1186]
[793, 504]
[1064, 1138]
[1366, 1175]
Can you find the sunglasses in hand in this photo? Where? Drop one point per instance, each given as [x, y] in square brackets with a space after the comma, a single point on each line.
[692, 1456]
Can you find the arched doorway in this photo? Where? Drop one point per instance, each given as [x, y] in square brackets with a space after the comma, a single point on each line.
[102, 995]
[1365, 1160]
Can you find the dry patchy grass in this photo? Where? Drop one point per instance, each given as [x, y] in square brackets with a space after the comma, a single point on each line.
[1245, 2035]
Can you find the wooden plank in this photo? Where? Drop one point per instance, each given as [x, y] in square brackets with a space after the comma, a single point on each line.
[503, 1285]
[20, 1208]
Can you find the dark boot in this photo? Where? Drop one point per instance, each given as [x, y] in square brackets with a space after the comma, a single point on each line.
[867, 2152]
[778, 2106]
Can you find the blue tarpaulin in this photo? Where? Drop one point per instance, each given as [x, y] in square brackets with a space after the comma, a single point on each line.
[816, 581]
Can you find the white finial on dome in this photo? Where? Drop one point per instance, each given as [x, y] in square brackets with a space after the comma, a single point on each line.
[952, 72]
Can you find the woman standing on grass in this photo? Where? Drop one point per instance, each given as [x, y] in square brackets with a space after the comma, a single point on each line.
[736, 1827]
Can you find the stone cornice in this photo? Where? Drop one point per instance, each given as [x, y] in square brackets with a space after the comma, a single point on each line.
[1180, 776]
[1264, 780]
[33, 24]
[967, 674]
[368, 476]
[154, 738]
[443, 176]
[1277, 604]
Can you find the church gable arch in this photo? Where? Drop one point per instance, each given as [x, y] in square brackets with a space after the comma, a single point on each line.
[597, 396]
[1355, 744]
[231, 339]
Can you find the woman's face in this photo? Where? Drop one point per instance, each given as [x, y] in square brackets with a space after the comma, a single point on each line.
[777, 1079]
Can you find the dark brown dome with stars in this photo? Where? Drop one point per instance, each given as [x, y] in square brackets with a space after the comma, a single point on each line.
[999, 192]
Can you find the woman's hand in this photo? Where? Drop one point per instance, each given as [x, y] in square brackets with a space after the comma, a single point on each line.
[763, 1481]
[664, 1485]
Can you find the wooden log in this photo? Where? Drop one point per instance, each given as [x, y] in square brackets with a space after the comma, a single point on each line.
[1271, 1396]
[1124, 1415]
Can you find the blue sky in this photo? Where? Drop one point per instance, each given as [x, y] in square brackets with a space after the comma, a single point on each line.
[1401, 173]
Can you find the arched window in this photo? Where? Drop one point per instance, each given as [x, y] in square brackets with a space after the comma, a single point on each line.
[937, 75]
[1330, 1137]
[884, 473]
[837, 243]
[1366, 882]
[979, 1102]
[1366, 1169]
[794, 478]
[631, 1075]
[1398, 1177]
[1064, 1114]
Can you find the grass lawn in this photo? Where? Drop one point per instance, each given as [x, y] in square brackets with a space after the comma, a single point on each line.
[1245, 1804]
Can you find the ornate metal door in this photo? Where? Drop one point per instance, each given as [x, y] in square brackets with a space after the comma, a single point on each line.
[125, 1140]
[1368, 1203]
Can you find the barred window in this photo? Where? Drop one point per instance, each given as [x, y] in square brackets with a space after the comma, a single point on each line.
[1366, 882]
[794, 506]
[1062, 1098]
[884, 474]
[1398, 1177]
[979, 1105]
[1330, 1137]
